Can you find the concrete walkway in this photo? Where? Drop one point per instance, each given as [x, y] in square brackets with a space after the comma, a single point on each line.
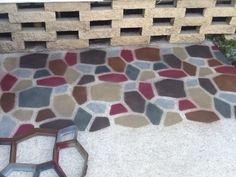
[153, 111]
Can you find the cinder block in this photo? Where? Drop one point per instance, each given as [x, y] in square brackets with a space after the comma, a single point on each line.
[35, 36]
[66, 6]
[9, 27]
[165, 12]
[161, 30]
[132, 22]
[130, 40]
[230, 37]
[147, 4]
[217, 29]
[101, 15]
[67, 25]
[100, 33]
[233, 21]
[187, 38]
[31, 16]
[115, 14]
[8, 8]
[195, 3]
[192, 21]
[220, 12]
[68, 44]
[10, 46]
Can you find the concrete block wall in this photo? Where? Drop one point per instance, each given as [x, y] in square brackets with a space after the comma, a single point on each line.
[118, 22]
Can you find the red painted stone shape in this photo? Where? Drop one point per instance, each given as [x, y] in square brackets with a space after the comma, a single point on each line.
[146, 90]
[117, 109]
[127, 55]
[7, 82]
[185, 105]
[172, 73]
[23, 129]
[71, 58]
[113, 77]
[226, 70]
[51, 81]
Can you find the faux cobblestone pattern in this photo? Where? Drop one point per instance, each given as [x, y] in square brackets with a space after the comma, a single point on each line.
[128, 89]
[125, 92]
[146, 25]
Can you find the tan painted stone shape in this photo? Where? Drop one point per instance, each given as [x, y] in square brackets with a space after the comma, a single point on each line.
[106, 92]
[172, 118]
[133, 121]
[22, 85]
[180, 53]
[200, 97]
[71, 75]
[146, 75]
[23, 115]
[10, 63]
[205, 72]
[64, 105]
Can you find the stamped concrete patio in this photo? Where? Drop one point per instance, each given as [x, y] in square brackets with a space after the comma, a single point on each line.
[150, 111]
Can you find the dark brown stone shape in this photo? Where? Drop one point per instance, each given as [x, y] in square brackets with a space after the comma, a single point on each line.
[226, 82]
[207, 85]
[172, 61]
[200, 51]
[189, 69]
[170, 88]
[86, 79]
[58, 67]
[94, 57]
[80, 94]
[45, 114]
[35, 60]
[148, 54]
[57, 124]
[99, 123]
[135, 101]
[117, 64]
[7, 101]
[202, 116]
[214, 62]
